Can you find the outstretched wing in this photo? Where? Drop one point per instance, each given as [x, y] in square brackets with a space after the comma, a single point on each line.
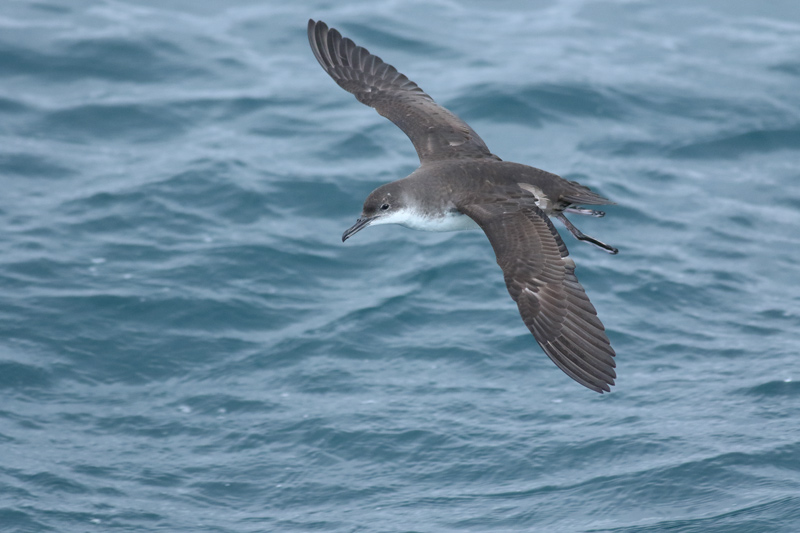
[541, 278]
[437, 133]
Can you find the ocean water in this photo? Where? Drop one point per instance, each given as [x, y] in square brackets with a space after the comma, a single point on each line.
[187, 345]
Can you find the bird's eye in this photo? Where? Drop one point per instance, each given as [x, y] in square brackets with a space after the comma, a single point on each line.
[385, 207]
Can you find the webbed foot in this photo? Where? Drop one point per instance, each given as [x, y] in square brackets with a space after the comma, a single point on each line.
[581, 237]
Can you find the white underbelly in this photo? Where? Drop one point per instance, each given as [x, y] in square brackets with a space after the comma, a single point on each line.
[413, 220]
[449, 222]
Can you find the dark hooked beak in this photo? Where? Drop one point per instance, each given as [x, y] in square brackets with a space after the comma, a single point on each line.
[360, 224]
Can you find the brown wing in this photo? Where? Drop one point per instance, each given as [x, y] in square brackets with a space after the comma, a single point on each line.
[541, 278]
[437, 133]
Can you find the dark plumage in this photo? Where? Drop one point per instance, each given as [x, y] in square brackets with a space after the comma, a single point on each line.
[459, 184]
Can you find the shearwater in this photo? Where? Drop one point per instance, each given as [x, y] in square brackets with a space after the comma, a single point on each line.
[460, 185]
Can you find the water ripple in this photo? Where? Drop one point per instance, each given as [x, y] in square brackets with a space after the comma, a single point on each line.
[187, 345]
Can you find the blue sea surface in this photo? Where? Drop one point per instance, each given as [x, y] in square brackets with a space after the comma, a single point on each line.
[187, 345]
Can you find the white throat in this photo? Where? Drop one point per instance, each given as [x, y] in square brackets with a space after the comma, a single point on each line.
[451, 221]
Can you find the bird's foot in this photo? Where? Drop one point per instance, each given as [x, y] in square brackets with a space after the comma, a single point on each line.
[581, 237]
[584, 211]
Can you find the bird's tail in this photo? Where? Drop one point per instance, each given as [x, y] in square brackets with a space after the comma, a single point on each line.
[580, 194]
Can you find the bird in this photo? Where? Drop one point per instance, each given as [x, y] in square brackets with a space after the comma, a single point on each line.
[460, 184]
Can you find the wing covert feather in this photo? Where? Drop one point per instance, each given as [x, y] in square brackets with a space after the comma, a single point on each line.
[540, 277]
[437, 134]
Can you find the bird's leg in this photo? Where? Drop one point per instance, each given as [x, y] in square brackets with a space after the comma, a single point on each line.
[584, 211]
[581, 237]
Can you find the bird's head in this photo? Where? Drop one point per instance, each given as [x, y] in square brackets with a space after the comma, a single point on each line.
[384, 205]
